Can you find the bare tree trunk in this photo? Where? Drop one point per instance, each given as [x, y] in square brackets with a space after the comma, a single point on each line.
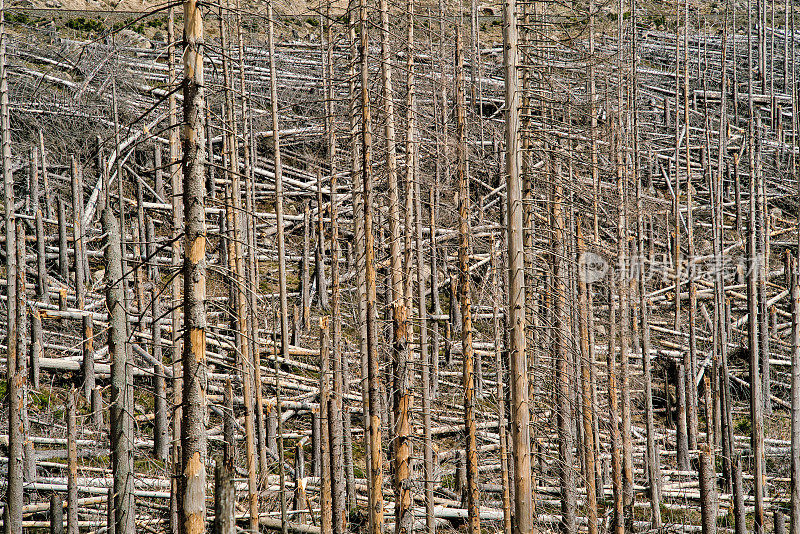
[356, 103]
[29, 461]
[305, 282]
[690, 355]
[682, 439]
[794, 514]
[80, 279]
[524, 507]
[616, 461]
[569, 523]
[72, 466]
[56, 514]
[175, 172]
[15, 439]
[425, 355]
[708, 493]
[121, 380]
[756, 404]
[161, 424]
[586, 364]
[436, 308]
[224, 500]
[738, 496]
[37, 346]
[326, 499]
[192, 496]
[500, 380]
[375, 472]
[42, 280]
[284, 305]
[467, 351]
[63, 255]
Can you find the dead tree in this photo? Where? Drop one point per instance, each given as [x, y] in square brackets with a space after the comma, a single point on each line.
[520, 414]
[72, 466]
[401, 372]
[224, 500]
[375, 472]
[754, 346]
[569, 521]
[80, 279]
[121, 380]
[175, 289]
[586, 383]
[160, 427]
[708, 493]
[325, 498]
[339, 478]
[794, 514]
[15, 437]
[465, 297]
[192, 493]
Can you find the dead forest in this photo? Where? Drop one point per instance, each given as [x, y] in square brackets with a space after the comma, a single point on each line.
[400, 266]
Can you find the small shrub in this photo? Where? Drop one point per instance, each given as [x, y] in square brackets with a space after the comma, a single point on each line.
[83, 24]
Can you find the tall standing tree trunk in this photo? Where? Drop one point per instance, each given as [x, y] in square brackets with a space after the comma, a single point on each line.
[325, 498]
[689, 356]
[756, 405]
[524, 508]
[400, 359]
[794, 514]
[624, 281]
[192, 496]
[175, 173]
[121, 380]
[375, 472]
[284, 305]
[467, 351]
[613, 415]
[160, 428]
[80, 280]
[15, 438]
[72, 467]
[708, 493]
[564, 378]
[586, 383]
[337, 412]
